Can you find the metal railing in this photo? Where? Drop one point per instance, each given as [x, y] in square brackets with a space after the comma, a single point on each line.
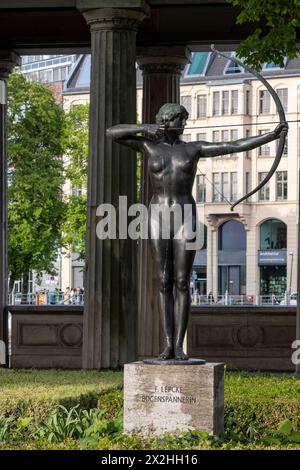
[247, 300]
[46, 298]
[55, 298]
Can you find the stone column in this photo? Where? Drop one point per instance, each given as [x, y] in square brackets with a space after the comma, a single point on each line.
[8, 60]
[109, 336]
[162, 68]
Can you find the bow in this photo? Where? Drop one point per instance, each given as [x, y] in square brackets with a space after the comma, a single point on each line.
[282, 118]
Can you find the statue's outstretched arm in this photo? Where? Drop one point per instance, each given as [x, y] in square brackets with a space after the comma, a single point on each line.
[207, 149]
[126, 134]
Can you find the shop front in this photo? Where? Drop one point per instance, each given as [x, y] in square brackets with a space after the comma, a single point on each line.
[272, 257]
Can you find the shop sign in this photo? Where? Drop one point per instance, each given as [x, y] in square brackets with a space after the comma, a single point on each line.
[271, 257]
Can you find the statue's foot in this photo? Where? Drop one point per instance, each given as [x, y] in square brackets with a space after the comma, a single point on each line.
[180, 355]
[168, 353]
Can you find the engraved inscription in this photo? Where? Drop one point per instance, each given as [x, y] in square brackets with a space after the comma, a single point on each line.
[168, 394]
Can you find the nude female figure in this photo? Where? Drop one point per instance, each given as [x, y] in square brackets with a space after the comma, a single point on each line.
[172, 166]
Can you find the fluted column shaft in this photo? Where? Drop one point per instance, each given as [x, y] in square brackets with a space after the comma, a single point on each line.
[110, 331]
[7, 61]
[162, 68]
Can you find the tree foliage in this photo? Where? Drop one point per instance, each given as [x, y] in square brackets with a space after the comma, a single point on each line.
[76, 157]
[35, 177]
[274, 36]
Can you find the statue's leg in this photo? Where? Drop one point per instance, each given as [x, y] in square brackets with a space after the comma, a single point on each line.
[163, 260]
[183, 262]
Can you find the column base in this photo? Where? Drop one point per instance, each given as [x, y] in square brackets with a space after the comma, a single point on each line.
[173, 398]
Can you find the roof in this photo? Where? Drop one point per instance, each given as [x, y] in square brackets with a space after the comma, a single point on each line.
[206, 67]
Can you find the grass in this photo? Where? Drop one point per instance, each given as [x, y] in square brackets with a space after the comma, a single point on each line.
[256, 405]
[37, 393]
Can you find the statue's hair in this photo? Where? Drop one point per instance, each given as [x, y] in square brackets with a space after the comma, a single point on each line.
[170, 111]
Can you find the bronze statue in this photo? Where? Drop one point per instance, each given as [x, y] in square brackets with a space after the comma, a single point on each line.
[172, 166]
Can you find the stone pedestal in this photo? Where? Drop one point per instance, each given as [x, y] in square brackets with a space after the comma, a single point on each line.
[173, 398]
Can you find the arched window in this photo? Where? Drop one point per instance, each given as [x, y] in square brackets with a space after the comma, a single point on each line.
[273, 235]
[232, 236]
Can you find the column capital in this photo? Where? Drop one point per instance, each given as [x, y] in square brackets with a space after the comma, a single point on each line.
[8, 60]
[163, 59]
[116, 15]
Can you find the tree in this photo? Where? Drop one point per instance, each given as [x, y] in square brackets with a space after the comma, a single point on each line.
[76, 157]
[76, 161]
[35, 177]
[274, 36]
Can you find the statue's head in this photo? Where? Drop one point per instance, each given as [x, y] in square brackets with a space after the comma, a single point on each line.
[172, 115]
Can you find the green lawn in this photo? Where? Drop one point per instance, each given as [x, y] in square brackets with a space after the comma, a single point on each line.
[37, 393]
[261, 411]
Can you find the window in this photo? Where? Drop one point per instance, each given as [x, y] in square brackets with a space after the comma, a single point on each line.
[216, 103]
[234, 101]
[186, 101]
[285, 148]
[56, 75]
[216, 136]
[283, 96]
[264, 192]
[233, 67]
[199, 63]
[200, 189]
[247, 183]
[264, 102]
[281, 185]
[247, 103]
[216, 188]
[247, 136]
[64, 72]
[225, 135]
[233, 186]
[233, 137]
[201, 136]
[271, 65]
[203, 236]
[273, 235]
[232, 236]
[201, 106]
[225, 102]
[264, 150]
[225, 187]
[234, 134]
